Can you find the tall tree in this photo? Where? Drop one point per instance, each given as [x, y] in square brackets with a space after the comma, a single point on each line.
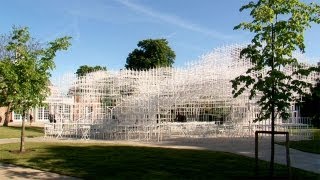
[83, 70]
[24, 77]
[151, 53]
[278, 27]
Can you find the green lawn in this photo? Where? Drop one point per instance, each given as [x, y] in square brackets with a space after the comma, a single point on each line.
[312, 146]
[15, 132]
[102, 161]
[316, 134]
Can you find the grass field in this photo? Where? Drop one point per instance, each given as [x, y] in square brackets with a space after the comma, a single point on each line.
[316, 134]
[15, 132]
[311, 146]
[102, 161]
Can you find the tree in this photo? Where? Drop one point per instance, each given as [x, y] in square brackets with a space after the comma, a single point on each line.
[3, 41]
[151, 53]
[83, 70]
[278, 27]
[7, 87]
[24, 77]
[310, 105]
[6, 68]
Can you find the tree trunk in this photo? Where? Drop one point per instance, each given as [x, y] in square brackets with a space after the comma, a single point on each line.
[272, 142]
[7, 116]
[22, 132]
[273, 108]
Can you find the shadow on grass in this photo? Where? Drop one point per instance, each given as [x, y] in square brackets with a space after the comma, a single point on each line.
[124, 162]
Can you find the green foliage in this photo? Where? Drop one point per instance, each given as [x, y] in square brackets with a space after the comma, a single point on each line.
[279, 27]
[310, 105]
[150, 54]
[7, 88]
[25, 71]
[83, 70]
[109, 100]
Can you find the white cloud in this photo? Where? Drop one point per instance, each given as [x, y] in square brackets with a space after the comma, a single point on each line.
[174, 20]
[103, 12]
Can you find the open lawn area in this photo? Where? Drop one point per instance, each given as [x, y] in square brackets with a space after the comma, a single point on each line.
[311, 146]
[105, 161]
[15, 132]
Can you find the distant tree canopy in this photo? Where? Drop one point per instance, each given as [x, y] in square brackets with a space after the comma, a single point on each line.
[310, 107]
[150, 54]
[83, 70]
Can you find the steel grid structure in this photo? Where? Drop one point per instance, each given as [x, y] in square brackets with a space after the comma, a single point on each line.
[194, 100]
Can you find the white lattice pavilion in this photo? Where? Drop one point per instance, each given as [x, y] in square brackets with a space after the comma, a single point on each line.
[194, 100]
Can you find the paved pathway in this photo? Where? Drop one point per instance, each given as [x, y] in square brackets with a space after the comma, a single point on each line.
[8, 171]
[243, 146]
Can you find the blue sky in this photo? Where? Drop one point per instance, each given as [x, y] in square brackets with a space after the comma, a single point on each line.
[105, 31]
